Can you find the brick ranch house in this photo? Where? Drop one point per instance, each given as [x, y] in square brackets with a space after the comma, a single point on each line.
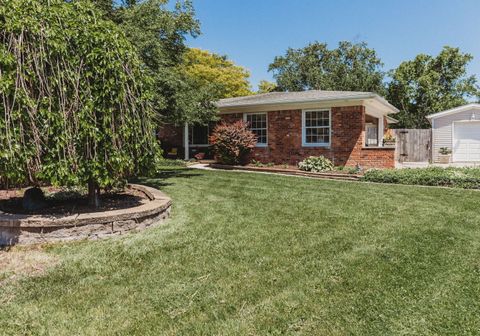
[347, 127]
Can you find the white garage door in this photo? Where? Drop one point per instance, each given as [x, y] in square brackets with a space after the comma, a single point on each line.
[466, 141]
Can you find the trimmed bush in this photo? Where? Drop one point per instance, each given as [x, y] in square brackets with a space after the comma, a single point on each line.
[232, 143]
[316, 164]
[468, 178]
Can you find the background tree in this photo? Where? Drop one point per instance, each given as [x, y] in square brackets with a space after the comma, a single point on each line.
[107, 7]
[158, 32]
[350, 67]
[76, 105]
[265, 87]
[428, 84]
[222, 76]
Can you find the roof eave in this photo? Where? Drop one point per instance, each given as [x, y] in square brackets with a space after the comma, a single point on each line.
[377, 98]
[391, 120]
[453, 111]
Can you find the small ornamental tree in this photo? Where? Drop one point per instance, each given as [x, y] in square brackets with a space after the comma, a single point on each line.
[232, 143]
[223, 77]
[75, 105]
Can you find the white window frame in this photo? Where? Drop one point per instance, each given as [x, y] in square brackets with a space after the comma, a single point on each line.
[304, 132]
[245, 116]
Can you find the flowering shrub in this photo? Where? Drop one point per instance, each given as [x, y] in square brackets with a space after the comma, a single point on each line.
[232, 143]
[316, 164]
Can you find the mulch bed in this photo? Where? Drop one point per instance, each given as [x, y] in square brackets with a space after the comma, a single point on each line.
[333, 175]
[62, 202]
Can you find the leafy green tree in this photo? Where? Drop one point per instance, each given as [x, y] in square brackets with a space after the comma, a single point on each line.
[76, 105]
[216, 72]
[265, 87]
[429, 84]
[107, 7]
[158, 33]
[350, 67]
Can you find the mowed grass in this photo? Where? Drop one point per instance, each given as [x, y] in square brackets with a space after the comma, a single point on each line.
[257, 254]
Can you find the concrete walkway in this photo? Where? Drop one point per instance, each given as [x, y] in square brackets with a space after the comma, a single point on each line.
[204, 166]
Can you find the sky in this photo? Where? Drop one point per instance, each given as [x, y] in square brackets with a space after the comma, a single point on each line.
[251, 33]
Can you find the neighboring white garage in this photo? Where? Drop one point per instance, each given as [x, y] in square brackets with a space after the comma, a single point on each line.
[458, 130]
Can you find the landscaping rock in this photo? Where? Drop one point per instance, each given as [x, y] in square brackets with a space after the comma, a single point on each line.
[34, 200]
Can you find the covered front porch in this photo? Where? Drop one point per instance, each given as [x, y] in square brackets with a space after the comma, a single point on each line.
[196, 141]
[375, 128]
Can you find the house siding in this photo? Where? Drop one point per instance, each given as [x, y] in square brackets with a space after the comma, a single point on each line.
[442, 130]
[284, 130]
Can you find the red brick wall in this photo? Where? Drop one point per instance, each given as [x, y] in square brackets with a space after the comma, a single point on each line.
[375, 157]
[285, 139]
[171, 136]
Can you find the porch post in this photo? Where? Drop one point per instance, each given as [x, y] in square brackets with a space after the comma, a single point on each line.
[380, 131]
[185, 142]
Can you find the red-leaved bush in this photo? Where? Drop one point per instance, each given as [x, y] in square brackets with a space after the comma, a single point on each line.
[232, 142]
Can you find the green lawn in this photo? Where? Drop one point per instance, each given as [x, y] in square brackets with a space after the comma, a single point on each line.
[256, 254]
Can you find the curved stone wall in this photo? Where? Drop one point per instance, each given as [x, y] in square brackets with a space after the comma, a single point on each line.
[34, 229]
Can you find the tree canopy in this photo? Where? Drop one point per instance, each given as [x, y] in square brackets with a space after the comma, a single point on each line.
[217, 72]
[350, 67]
[265, 86]
[158, 34]
[76, 103]
[429, 84]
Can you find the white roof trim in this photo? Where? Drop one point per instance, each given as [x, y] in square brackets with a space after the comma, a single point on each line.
[373, 96]
[391, 120]
[454, 110]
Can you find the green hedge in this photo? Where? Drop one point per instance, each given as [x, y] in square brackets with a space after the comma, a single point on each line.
[468, 178]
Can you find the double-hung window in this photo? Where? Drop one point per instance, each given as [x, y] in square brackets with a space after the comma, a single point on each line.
[316, 125]
[257, 123]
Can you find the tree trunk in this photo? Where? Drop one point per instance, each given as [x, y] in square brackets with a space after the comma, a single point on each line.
[93, 194]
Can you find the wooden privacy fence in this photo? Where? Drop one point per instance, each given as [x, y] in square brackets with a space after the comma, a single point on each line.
[413, 145]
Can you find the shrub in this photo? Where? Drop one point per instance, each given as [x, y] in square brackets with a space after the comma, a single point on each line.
[348, 170]
[261, 164]
[232, 143]
[468, 178]
[316, 164]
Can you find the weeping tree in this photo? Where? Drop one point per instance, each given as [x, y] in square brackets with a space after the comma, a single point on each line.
[75, 103]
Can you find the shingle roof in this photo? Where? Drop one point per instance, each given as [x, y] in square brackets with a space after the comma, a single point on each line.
[297, 97]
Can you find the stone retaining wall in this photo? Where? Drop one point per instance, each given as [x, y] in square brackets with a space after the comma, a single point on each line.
[34, 229]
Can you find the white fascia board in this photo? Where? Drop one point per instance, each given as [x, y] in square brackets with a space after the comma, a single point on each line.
[453, 111]
[364, 98]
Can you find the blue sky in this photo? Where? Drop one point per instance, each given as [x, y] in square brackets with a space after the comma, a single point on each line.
[252, 33]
